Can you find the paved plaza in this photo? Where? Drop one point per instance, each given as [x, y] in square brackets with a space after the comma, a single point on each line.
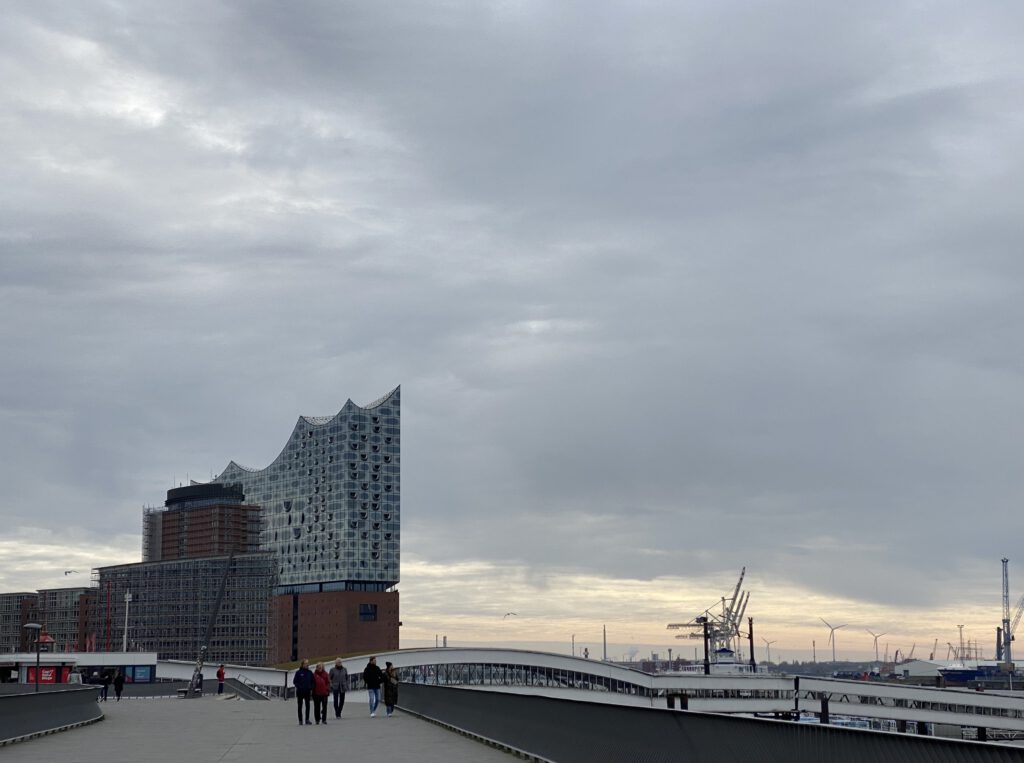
[209, 729]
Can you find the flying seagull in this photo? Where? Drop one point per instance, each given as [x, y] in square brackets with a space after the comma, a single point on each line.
[68, 572]
[507, 614]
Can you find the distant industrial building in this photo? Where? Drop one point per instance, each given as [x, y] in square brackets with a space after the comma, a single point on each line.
[16, 609]
[64, 615]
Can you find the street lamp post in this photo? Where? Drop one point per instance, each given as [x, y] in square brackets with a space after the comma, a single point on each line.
[574, 645]
[127, 601]
[38, 629]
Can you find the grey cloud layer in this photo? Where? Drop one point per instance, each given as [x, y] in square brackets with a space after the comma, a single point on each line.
[664, 287]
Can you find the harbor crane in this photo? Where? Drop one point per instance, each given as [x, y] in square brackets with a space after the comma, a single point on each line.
[1016, 617]
[723, 627]
[1007, 632]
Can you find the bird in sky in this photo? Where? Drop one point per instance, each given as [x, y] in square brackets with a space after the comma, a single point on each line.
[68, 572]
[507, 614]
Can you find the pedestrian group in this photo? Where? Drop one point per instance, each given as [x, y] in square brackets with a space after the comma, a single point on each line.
[315, 686]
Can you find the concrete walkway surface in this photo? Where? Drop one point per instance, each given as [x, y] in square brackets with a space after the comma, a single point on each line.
[211, 730]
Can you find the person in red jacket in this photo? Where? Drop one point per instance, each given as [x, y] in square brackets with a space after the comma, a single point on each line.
[321, 691]
[220, 680]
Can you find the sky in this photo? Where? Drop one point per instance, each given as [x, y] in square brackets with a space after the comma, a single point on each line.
[671, 289]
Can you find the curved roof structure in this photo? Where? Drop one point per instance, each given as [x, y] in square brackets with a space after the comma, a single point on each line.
[331, 497]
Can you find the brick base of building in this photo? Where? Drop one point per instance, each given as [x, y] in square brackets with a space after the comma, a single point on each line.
[332, 624]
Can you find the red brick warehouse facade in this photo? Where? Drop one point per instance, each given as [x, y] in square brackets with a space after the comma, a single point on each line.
[332, 623]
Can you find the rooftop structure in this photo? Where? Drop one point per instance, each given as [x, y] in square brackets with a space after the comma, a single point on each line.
[200, 520]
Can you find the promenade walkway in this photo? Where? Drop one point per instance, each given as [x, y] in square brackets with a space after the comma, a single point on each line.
[211, 730]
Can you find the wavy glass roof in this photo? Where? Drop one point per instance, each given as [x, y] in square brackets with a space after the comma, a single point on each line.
[331, 498]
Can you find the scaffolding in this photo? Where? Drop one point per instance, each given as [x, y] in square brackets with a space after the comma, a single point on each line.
[172, 601]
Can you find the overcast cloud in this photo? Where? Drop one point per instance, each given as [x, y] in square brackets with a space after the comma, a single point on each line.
[669, 288]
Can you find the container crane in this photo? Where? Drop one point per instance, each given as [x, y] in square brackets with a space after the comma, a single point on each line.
[1007, 631]
[723, 629]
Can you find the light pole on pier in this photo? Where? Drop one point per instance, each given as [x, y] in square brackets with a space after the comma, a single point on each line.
[127, 601]
[38, 630]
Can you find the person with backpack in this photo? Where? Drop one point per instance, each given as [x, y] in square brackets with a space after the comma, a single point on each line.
[390, 689]
[373, 677]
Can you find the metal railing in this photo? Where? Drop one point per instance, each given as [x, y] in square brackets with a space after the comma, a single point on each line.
[576, 731]
[26, 714]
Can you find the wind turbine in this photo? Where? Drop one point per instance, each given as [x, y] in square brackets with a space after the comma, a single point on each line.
[832, 635]
[768, 648]
[877, 636]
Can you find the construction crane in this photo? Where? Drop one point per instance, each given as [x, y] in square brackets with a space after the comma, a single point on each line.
[724, 627]
[1016, 617]
[195, 686]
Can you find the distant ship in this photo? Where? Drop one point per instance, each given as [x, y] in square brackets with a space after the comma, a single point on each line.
[722, 662]
[962, 672]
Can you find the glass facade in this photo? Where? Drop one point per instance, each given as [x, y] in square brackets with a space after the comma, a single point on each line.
[332, 499]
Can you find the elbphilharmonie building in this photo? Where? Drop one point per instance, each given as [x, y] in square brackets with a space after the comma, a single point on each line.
[300, 558]
[331, 500]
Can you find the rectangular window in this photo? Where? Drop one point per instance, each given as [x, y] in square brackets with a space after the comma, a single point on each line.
[368, 613]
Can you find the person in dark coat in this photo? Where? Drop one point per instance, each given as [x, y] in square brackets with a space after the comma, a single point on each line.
[105, 680]
[339, 685]
[303, 683]
[390, 688]
[321, 691]
[373, 677]
[119, 684]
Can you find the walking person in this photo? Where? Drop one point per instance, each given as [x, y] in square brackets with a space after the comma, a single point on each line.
[220, 680]
[373, 677]
[105, 680]
[339, 684]
[118, 684]
[390, 688]
[303, 683]
[321, 691]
